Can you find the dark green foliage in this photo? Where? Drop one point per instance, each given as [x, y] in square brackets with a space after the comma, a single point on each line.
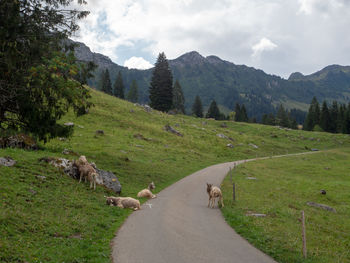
[325, 117]
[85, 72]
[178, 99]
[334, 117]
[161, 90]
[241, 113]
[313, 116]
[105, 82]
[214, 112]
[119, 86]
[197, 108]
[282, 117]
[133, 92]
[268, 119]
[39, 76]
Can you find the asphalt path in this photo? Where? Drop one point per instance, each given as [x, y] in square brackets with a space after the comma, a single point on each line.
[178, 227]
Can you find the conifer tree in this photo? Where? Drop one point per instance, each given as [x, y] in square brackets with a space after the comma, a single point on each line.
[325, 117]
[313, 116]
[133, 92]
[39, 79]
[244, 115]
[119, 86]
[282, 117]
[178, 98]
[213, 111]
[333, 112]
[238, 112]
[105, 84]
[197, 108]
[161, 88]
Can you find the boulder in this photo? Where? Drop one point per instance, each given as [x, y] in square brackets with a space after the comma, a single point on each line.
[108, 179]
[253, 145]
[168, 128]
[21, 140]
[7, 161]
[230, 145]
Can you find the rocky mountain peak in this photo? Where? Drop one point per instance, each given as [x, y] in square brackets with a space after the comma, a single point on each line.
[190, 58]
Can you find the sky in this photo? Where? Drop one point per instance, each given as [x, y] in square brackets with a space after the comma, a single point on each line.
[277, 36]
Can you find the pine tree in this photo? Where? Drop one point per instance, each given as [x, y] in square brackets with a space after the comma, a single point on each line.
[282, 117]
[238, 116]
[197, 108]
[161, 89]
[119, 86]
[178, 98]
[105, 83]
[333, 112]
[39, 79]
[244, 116]
[325, 117]
[313, 116]
[346, 125]
[213, 111]
[133, 92]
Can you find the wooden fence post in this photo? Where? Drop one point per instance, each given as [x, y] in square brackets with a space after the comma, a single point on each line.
[234, 192]
[304, 233]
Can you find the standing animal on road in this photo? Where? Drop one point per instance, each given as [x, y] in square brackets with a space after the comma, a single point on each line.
[214, 192]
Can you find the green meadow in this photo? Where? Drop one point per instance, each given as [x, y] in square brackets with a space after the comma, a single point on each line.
[55, 219]
[281, 190]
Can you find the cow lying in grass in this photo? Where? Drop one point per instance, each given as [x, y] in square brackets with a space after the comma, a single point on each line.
[214, 192]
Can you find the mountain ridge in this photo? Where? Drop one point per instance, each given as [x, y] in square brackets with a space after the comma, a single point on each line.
[213, 78]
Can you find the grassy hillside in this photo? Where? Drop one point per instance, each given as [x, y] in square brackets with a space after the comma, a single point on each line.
[58, 220]
[281, 190]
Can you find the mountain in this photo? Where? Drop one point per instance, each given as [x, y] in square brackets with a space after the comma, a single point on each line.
[213, 78]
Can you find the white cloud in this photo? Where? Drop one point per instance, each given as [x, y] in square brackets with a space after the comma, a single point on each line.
[264, 44]
[138, 63]
[310, 33]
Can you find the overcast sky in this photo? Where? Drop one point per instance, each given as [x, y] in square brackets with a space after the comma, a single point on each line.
[277, 36]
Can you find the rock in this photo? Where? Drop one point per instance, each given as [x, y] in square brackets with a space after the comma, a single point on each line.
[230, 145]
[69, 124]
[41, 177]
[325, 207]
[204, 123]
[253, 145]
[69, 152]
[81, 127]
[140, 137]
[110, 181]
[314, 149]
[250, 178]
[21, 140]
[223, 136]
[323, 192]
[7, 161]
[132, 111]
[168, 128]
[274, 136]
[100, 132]
[147, 108]
[223, 125]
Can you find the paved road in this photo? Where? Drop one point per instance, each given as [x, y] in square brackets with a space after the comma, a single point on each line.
[178, 227]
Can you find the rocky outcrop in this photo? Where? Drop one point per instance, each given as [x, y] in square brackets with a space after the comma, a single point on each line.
[7, 161]
[108, 179]
[22, 141]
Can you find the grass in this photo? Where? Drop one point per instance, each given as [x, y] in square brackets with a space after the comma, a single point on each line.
[59, 220]
[281, 191]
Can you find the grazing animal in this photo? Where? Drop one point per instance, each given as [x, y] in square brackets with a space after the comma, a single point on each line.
[87, 171]
[214, 192]
[123, 202]
[147, 192]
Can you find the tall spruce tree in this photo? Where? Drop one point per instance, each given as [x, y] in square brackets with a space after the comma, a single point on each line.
[197, 108]
[213, 111]
[38, 72]
[178, 98]
[333, 112]
[325, 117]
[244, 115]
[238, 115]
[119, 86]
[105, 83]
[313, 115]
[161, 89]
[282, 117]
[133, 92]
